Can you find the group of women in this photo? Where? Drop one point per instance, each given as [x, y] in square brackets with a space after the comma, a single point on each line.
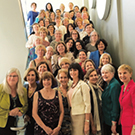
[70, 87]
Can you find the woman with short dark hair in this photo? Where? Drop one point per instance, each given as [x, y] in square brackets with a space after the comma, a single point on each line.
[101, 46]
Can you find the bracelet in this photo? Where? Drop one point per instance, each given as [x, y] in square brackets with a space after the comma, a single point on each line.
[59, 126]
[87, 120]
[113, 124]
[133, 126]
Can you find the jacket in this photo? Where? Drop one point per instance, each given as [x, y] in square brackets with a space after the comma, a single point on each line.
[5, 105]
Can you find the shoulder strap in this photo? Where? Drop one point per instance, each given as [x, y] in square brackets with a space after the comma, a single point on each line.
[34, 63]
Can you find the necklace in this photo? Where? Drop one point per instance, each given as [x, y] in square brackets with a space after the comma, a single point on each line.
[73, 85]
[31, 91]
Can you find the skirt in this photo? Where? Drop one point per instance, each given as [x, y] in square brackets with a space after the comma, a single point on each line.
[77, 123]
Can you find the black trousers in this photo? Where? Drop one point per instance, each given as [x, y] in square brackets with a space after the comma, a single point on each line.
[107, 129]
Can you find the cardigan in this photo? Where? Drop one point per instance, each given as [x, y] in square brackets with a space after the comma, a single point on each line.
[5, 105]
[110, 102]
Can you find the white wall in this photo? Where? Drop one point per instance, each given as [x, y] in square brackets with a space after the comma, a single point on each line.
[12, 38]
[118, 30]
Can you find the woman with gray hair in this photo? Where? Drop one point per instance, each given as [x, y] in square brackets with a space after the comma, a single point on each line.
[13, 101]
[110, 100]
[91, 78]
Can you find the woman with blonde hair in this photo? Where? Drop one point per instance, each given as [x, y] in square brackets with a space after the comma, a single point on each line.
[41, 15]
[63, 89]
[13, 101]
[127, 100]
[40, 51]
[79, 24]
[62, 8]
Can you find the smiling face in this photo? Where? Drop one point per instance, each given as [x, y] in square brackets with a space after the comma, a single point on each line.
[82, 56]
[41, 23]
[42, 34]
[105, 60]
[78, 46]
[40, 52]
[48, 6]
[74, 35]
[70, 28]
[63, 79]
[93, 77]
[101, 46]
[58, 35]
[61, 48]
[31, 77]
[65, 65]
[42, 68]
[125, 76]
[89, 65]
[12, 79]
[74, 73]
[107, 76]
[69, 44]
[47, 83]
[89, 29]
[36, 28]
[94, 37]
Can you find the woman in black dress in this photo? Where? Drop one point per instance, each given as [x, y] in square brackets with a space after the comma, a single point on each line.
[31, 76]
[48, 109]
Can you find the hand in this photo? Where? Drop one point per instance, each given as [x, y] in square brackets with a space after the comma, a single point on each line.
[86, 128]
[14, 112]
[19, 113]
[94, 130]
[133, 132]
[48, 130]
[56, 131]
[26, 118]
[113, 128]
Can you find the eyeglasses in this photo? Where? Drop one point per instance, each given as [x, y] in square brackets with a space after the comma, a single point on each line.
[13, 76]
[74, 33]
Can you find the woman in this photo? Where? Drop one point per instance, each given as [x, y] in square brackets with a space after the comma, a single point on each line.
[32, 15]
[41, 22]
[101, 46]
[48, 109]
[49, 7]
[79, 44]
[70, 27]
[93, 39]
[82, 58]
[110, 100]
[41, 15]
[95, 93]
[31, 76]
[40, 51]
[43, 34]
[32, 55]
[52, 17]
[61, 51]
[89, 64]
[13, 101]
[64, 63]
[75, 35]
[62, 8]
[127, 100]
[79, 24]
[47, 22]
[51, 30]
[42, 67]
[79, 101]
[70, 44]
[63, 88]
[83, 9]
[31, 39]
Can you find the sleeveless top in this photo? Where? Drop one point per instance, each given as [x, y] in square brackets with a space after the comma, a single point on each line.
[48, 111]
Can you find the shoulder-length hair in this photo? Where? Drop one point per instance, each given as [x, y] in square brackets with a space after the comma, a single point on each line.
[43, 62]
[19, 84]
[29, 70]
[86, 77]
[60, 42]
[73, 46]
[76, 52]
[46, 9]
[103, 41]
[78, 67]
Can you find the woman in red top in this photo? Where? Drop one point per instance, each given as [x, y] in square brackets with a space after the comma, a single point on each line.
[127, 100]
